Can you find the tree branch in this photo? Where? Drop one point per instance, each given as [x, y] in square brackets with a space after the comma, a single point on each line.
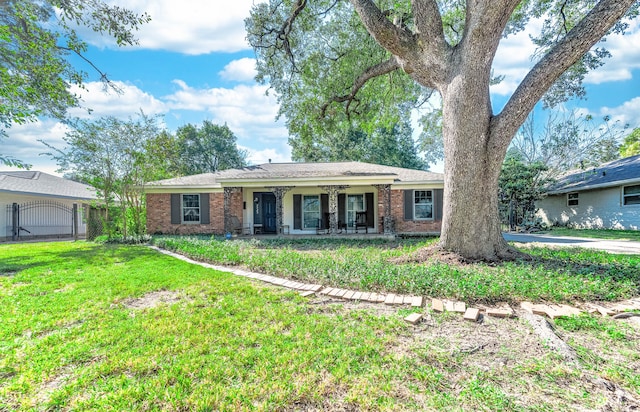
[563, 55]
[103, 76]
[484, 27]
[394, 39]
[428, 22]
[287, 26]
[371, 72]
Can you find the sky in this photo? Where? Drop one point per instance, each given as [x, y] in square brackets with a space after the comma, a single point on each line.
[194, 64]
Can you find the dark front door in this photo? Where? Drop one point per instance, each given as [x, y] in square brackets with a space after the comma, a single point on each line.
[264, 211]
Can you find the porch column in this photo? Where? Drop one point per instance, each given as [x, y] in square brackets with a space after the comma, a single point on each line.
[385, 191]
[333, 192]
[279, 192]
[228, 191]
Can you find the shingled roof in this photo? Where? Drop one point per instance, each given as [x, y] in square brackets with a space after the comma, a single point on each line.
[316, 172]
[616, 173]
[43, 184]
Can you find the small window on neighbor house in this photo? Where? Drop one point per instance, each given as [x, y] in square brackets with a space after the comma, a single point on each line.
[631, 195]
[191, 208]
[572, 199]
[423, 204]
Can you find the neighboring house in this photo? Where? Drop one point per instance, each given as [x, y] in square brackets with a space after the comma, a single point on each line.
[298, 198]
[36, 204]
[604, 197]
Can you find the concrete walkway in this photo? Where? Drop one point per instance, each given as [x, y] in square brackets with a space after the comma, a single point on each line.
[612, 246]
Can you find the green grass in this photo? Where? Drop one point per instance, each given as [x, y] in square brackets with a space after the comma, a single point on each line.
[70, 342]
[596, 233]
[562, 275]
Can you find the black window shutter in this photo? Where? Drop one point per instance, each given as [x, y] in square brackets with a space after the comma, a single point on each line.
[370, 211]
[175, 209]
[437, 203]
[297, 211]
[342, 203]
[204, 209]
[324, 210]
[408, 205]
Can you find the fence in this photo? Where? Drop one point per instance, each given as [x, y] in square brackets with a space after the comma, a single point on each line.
[42, 218]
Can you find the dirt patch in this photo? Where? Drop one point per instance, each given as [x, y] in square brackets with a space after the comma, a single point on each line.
[435, 253]
[152, 299]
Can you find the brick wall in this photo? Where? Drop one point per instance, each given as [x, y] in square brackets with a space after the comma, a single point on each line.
[159, 215]
[408, 226]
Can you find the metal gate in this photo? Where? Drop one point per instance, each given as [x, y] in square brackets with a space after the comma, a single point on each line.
[42, 218]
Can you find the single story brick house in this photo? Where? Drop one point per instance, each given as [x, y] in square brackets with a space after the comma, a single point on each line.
[606, 197]
[35, 204]
[298, 198]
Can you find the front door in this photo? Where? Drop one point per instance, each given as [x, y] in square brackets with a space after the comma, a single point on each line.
[264, 211]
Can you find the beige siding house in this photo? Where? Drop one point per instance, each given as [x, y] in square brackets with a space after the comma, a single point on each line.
[298, 198]
[604, 197]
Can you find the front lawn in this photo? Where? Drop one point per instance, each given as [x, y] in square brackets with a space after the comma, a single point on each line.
[560, 275]
[111, 328]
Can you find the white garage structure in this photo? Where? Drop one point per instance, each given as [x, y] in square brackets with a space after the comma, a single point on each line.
[39, 205]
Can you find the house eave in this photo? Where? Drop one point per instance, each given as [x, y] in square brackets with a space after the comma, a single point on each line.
[594, 187]
[49, 195]
[308, 181]
[182, 188]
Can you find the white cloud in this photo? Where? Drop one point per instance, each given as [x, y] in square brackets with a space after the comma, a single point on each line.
[189, 27]
[242, 70]
[625, 57]
[23, 144]
[248, 112]
[256, 157]
[109, 103]
[626, 113]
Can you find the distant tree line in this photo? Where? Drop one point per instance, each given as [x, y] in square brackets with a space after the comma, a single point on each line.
[118, 157]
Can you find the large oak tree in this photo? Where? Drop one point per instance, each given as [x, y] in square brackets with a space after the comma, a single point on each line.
[339, 61]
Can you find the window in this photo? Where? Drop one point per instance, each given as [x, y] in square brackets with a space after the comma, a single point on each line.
[191, 208]
[572, 199]
[355, 203]
[631, 195]
[310, 211]
[423, 204]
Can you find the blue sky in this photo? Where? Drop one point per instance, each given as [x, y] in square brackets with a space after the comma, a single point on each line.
[193, 64]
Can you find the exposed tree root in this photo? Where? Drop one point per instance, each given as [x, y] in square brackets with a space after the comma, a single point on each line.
[544, 329]
[619, 399]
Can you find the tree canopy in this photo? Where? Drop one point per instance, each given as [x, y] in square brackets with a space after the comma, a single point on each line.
[208, 148]
[336, 64]
[390, 146]
[37, 40]
[631, 144]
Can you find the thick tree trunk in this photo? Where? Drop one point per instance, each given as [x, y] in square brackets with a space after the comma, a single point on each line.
[471, 224]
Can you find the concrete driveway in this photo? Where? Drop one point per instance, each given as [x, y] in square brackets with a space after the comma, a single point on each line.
[613, 246]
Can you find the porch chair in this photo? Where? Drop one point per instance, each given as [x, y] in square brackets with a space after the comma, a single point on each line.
[237, 228]
[361, 222]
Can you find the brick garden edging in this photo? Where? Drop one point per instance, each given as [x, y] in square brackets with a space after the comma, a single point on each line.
[437, 305]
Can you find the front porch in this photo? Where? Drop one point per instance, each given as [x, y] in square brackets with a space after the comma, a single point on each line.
[333, 210]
